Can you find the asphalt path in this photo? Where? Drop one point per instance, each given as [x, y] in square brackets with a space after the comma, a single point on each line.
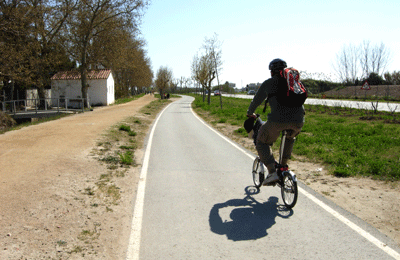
[366, 105]
[196, 200]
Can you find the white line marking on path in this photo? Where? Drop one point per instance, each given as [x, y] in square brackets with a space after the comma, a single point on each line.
[136, 228]
[353, 226]
[336, 214]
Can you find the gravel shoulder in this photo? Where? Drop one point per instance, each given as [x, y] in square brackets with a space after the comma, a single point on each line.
[51, 205]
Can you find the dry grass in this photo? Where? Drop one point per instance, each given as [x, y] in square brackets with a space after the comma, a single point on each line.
[389, 92]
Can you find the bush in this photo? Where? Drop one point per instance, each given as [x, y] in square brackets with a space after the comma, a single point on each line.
[125, 128]
[375, 79]
[392, 78]
[319, 86]
[6, 121]
[132, 133]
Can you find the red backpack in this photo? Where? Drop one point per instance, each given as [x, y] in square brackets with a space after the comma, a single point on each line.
[295, 95]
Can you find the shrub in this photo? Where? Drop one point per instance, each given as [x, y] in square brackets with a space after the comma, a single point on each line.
[126, 158]
[6, 121]
[124, 128]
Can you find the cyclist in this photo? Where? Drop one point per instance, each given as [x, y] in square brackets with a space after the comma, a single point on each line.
[281, 118]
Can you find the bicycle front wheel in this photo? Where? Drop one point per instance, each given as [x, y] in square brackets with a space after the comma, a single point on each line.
[289, 190]
[258, 175]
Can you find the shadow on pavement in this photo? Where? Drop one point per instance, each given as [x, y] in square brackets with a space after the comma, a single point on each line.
[249, 219]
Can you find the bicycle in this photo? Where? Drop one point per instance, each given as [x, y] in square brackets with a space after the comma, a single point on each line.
[287, 179]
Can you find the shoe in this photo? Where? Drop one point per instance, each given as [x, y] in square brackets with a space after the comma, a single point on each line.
[271, 179]
[283, 168]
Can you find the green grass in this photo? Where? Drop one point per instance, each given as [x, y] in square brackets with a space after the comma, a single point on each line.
[126, 158]
[39, 121]
[127, 99]
[352, 146]
[124, 128]
[127, 129]
[154, 107]
[352, 142]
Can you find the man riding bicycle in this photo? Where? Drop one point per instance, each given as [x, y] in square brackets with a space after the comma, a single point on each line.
[281, 118]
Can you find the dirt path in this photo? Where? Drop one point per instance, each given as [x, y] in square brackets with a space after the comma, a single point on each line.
[44, 172]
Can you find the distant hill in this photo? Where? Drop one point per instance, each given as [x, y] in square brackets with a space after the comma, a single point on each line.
[392, 91]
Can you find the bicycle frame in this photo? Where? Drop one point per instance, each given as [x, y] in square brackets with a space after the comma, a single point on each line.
[287, 179]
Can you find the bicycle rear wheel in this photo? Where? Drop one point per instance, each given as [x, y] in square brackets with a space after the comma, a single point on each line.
[289, 190]
[258, 175]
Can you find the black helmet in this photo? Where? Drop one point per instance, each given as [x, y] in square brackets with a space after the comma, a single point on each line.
[277, 64]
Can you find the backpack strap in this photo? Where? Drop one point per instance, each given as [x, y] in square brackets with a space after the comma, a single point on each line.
[265, 105]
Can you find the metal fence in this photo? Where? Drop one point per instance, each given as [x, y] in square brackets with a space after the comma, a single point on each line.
[43, 104]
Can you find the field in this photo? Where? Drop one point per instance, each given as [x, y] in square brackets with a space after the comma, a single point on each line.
[350, 142]
[376, 92]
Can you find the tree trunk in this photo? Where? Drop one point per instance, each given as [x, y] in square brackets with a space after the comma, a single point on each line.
[84, 87]
[84, 83]
[41, 96]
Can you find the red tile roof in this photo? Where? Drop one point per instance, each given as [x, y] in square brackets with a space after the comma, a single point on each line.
[70, 75]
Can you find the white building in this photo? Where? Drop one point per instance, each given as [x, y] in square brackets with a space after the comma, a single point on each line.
[67, 85]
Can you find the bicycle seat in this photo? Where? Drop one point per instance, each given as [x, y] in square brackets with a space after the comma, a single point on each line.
[288, 131]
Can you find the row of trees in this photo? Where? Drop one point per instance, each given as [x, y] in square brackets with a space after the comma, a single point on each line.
[39, 38]
[392, 78]
[206, 67]
[357, 63]
[354, 65]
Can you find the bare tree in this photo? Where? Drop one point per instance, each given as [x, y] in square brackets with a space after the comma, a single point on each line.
[183, 82]
[205, 67]
[213, 50]
[364, 58]
[353, 62]
[392, 110]
[202, 73]
[346, 65]
[374, 59]
[163, 80]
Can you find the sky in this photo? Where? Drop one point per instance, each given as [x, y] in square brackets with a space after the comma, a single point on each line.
[307, 34]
